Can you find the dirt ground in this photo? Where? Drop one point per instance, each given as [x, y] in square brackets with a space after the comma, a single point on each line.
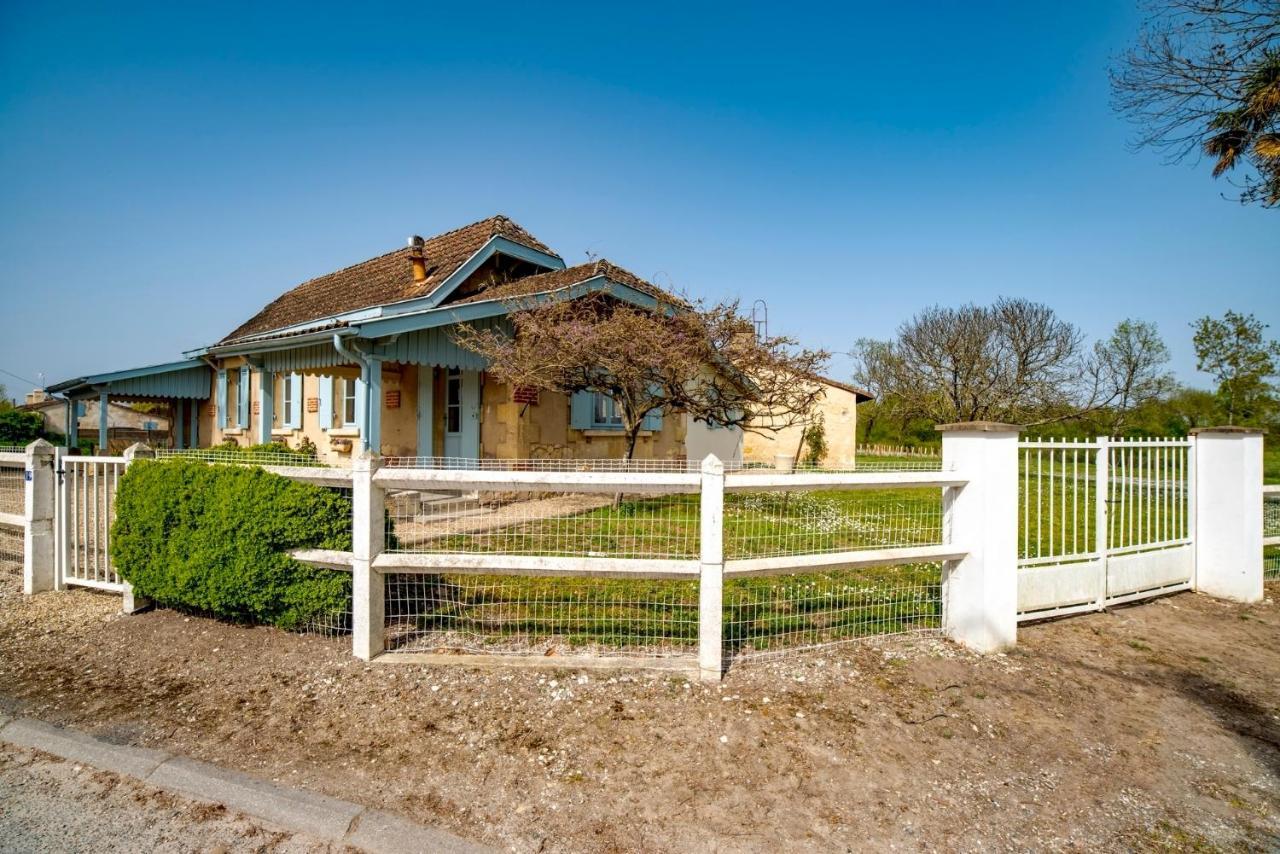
[1152, 727]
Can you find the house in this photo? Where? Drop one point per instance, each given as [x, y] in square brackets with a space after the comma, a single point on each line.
[125, 424]
[365, 357]
[837, 406]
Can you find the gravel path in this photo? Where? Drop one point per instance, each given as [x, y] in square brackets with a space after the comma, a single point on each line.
[1153, 727]
[50, 805]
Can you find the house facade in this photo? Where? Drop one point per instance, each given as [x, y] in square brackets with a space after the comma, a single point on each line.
[366, 357]
[837, 405]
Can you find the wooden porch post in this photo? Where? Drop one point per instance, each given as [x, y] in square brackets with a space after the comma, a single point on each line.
[104, 401]
[179, 422]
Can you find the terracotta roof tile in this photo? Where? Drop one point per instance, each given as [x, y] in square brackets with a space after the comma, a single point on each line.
[382, 280]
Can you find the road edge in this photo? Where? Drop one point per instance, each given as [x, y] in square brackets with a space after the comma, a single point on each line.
[286, 807]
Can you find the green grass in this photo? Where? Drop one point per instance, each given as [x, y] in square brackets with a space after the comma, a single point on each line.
[1271, 464]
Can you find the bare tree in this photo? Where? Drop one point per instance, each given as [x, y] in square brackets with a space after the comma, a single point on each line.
[1204, 78]
[701, 360]
[1013, 361]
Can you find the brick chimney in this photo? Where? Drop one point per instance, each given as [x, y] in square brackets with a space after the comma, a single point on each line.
[417, 258]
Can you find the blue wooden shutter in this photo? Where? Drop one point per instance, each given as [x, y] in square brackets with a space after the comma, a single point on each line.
[580, 410]
[653, 420]
[326, 403]
[242, 400]
[294, 415]
[222, 400]
[360, 405]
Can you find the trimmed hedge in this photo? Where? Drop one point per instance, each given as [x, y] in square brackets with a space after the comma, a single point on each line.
[216, 538]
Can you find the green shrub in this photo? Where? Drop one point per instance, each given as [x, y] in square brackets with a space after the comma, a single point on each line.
[815, 440]
[20, 427]
[216, 539]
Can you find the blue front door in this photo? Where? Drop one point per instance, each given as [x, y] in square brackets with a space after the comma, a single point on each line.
[462, 414]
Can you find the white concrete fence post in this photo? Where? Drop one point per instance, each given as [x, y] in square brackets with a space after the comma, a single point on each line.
[368, 538]
[1228, 513]
[711, 572]
[980, 591]
[38, 554]
[132, 603]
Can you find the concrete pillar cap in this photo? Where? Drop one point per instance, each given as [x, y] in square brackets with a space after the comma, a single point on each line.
[978, 427]
[1229, 430]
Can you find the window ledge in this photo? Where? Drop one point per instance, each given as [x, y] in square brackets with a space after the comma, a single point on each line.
[233, 431]
[601, 431]
[344, 432]
[283, 431]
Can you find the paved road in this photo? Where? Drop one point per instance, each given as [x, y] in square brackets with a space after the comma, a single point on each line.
[49, 804]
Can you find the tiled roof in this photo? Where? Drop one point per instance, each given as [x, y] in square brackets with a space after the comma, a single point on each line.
[854, 390]
[556, 279]
[382, 280]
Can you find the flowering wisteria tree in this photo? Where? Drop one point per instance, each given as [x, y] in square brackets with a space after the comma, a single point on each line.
[678, 357]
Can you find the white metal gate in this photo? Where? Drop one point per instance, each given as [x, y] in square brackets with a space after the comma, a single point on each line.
[1103, 522]
[86, 508]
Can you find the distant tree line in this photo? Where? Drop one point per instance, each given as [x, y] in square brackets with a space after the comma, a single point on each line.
[1016, 361]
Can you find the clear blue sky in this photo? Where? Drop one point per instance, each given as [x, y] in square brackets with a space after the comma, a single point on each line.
[166, 171]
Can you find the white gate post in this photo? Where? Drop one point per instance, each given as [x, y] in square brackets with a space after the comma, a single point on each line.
[132, 604]
[1102, 514]
[711, 572]
[980, 591]
[38, 554]
[368, 538]
[1228, 513]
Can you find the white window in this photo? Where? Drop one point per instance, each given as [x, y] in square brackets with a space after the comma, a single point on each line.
[284, 404]
[347, 401]
[604, 411]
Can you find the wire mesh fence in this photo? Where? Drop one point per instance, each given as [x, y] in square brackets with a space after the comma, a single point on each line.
[772, 524]
[763, 617]
[258, 456]
[12, 502]
[757, 524]
[1271, 528]
[776, 615]
[871, 463]
[11, 549]
[550, 524]
[12, 488]
[516, 615]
